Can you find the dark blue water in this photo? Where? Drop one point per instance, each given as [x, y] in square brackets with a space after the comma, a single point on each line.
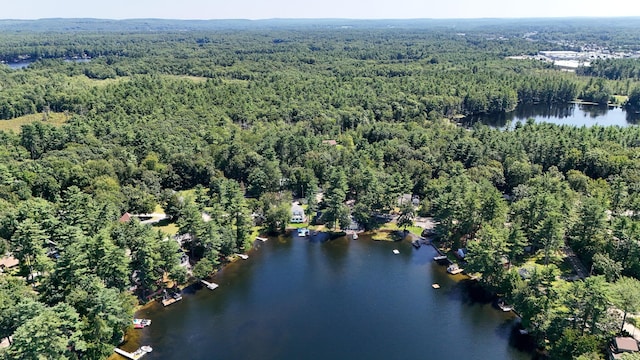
[341, 299]
[560, 114]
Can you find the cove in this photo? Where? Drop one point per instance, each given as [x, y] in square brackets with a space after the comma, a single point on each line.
[296, 298]
[560, 114]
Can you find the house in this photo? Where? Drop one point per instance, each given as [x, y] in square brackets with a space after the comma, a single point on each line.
[621, 345]
[409, 199]
[182, 238]
[297, 213]
[126, 217]
[184, 258]
[8, 262]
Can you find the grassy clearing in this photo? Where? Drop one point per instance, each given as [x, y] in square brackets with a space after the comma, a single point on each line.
[167, 227]
[416, 230]
[56, 119]
[620, 99]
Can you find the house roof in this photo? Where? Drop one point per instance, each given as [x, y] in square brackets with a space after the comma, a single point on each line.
[8, 262]
[626, 344]
[125, 218]
[330, 142]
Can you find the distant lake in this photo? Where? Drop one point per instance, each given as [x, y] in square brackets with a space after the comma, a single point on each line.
[19, 64]
[561, 114]
[300, 298]
[24, 63]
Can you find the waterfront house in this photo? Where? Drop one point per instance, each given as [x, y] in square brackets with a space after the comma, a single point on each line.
[297, 213]
[622, 345]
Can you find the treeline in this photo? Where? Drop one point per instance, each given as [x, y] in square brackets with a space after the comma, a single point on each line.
[613, 69]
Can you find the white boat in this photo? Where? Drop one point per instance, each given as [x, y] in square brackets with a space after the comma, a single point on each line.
[396, 251]
[354, 236]
[302, 232]
[141, 323]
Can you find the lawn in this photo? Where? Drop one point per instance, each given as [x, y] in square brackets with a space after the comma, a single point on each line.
[167, 227]
[56, 119]
[416, 230]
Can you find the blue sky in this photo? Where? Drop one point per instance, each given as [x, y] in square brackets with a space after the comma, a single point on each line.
[359, 9]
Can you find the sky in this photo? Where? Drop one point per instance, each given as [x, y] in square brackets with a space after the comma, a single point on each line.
[354, 9]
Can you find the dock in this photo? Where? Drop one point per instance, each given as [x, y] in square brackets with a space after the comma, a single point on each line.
[454, 269]
[136, 354]
[242, 256]
[263, 239]
[210, 286]
[172, 300]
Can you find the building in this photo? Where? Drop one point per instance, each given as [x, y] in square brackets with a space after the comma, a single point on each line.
[621, 345]
[8, 262]
[126, 217]
[297, 213]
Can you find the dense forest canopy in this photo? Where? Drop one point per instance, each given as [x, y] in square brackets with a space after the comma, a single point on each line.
[247, 115]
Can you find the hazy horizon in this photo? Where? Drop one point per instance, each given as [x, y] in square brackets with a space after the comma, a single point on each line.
[328, 9]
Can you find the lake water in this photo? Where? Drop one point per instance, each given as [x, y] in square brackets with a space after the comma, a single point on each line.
[24, 63]
[561, 114]
[340, 299]
[19, 64]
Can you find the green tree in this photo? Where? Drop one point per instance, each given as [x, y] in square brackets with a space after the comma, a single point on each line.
[407, 214]
[625, 294]
[28, 243]
[53, 334]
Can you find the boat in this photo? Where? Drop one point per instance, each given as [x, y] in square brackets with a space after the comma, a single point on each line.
[454, 269]
[396, 251]
[504, 307]
[435, 286]
[141, 323]
[416, 244]
[261, 238]
[243, 256]
[440, 258]
[302, 232]
[354, 236]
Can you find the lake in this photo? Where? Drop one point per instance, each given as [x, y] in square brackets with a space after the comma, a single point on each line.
[561, 114]
[295, 298]
[24, 63]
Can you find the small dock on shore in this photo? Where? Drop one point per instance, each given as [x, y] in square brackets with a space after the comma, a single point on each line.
[136, 354]
[454, 269]
[209, 285]
[171, 300]
[263, 239]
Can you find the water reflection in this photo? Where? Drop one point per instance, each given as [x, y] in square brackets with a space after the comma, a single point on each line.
[560, 114]
[296, 298]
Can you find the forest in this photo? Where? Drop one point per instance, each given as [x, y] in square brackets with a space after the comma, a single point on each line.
[236, 119]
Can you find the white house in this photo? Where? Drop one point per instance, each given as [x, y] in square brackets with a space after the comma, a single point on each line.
[297, 213]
